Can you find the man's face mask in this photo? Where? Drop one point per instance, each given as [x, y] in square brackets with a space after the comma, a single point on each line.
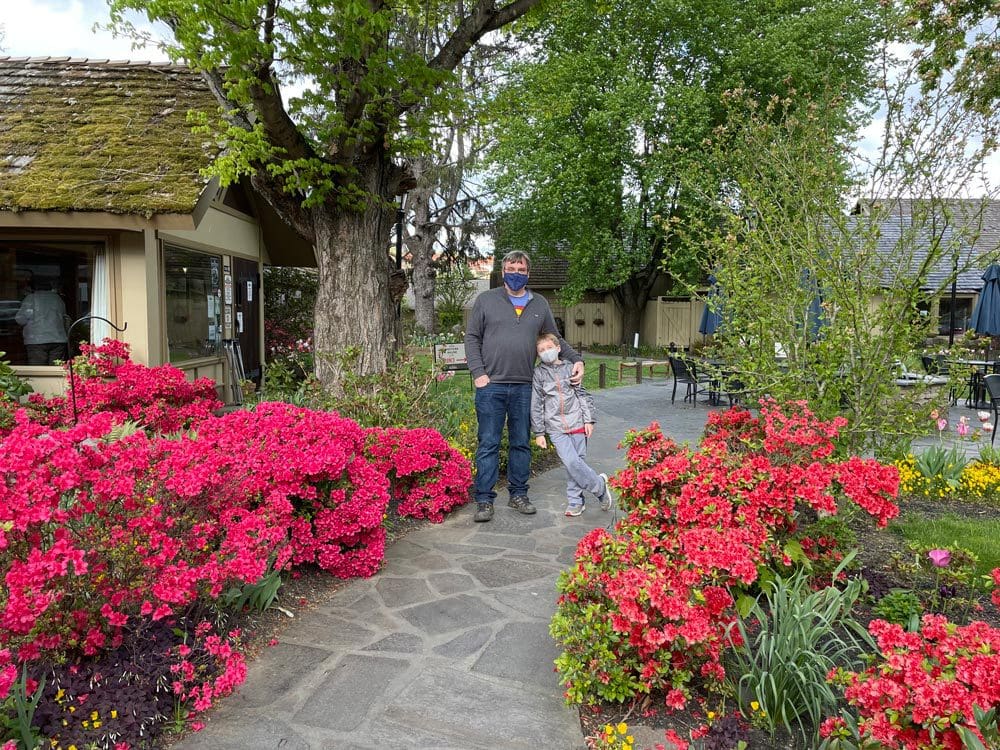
[515, 281]
[548, 356]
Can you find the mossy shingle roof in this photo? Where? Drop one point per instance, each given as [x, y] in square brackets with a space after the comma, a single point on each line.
[86, 135]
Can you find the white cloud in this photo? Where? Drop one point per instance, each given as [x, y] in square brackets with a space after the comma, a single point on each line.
[61, 28]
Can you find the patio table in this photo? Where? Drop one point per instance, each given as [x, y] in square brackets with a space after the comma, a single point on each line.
[975, 398]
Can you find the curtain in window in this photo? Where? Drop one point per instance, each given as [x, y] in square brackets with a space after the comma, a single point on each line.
[100, 303]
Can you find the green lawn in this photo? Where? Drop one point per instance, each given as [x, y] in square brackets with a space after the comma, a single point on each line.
[981, 536]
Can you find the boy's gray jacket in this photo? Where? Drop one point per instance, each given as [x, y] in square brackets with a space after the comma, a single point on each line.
[556, 404]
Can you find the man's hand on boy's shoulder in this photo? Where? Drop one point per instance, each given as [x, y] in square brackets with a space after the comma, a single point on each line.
[577, 377]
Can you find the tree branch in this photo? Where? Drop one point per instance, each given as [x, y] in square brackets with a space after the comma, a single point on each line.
[485, 17]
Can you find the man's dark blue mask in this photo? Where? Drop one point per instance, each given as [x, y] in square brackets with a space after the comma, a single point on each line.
[515, 281]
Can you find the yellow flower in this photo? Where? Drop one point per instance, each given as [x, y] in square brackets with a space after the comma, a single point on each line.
[114, 713]
[754, 705]
[622, 728]
[93, 715]
[710, 715]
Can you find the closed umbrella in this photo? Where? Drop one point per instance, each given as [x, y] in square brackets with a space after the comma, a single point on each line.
[815, 319]
[986, 317]
[710, 316]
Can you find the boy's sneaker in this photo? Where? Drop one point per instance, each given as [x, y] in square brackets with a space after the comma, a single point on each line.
[484, 512]
[608, 498]
[521, 504]
[575, 509]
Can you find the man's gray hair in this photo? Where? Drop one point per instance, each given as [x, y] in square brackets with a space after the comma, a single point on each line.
[514, 256]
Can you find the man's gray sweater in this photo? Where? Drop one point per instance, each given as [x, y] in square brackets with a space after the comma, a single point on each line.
[502, 345]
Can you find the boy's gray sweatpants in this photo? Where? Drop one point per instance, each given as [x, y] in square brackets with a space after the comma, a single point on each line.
[572, 449]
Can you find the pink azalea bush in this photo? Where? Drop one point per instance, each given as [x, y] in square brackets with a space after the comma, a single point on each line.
[100, 537]
[426, 475]
[648, 606]
[107, 381]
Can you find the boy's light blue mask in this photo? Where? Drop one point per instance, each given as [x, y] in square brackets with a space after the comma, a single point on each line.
[549, 356]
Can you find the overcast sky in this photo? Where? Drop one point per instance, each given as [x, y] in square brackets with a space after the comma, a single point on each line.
[62, 28]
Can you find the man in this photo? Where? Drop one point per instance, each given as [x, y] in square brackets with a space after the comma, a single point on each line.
[500, 348]
[43, 315]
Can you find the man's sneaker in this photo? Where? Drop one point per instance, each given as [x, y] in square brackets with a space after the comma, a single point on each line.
[608, 498]
[521, 504]
[484, 512]
[575, 509]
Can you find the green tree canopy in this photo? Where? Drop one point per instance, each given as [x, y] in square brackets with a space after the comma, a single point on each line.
[616, 99]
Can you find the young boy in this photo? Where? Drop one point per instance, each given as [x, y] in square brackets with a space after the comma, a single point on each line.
[566, 413]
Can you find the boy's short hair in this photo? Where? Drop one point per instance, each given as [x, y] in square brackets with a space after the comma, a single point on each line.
[514, 256]
[546, 336]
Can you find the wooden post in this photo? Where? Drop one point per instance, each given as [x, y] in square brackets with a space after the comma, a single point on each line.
[638, 371]
[602, 376]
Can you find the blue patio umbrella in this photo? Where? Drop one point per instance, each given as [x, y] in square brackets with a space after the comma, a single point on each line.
[711, 318]
[986, 317]
[815, 319]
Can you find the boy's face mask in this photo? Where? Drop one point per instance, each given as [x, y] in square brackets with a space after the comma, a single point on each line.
[548, 356]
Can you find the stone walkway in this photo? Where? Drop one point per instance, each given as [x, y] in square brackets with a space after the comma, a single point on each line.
[448, 646]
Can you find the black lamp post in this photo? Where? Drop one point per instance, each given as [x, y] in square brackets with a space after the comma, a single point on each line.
[69, 336]
[954, 289]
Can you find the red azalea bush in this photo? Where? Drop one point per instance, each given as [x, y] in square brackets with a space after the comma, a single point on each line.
[427, 476]
[921, 692]
[107, 381]
[648, 606]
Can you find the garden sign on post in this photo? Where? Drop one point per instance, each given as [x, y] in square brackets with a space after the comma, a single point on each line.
[451, 356]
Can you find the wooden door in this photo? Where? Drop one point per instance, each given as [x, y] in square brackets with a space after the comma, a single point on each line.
[246, 315]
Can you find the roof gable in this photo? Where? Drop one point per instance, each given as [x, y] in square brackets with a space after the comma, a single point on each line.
[86, 135]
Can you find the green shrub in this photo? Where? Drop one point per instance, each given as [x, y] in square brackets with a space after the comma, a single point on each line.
[12, 388]
[899, 606]
[791, 638]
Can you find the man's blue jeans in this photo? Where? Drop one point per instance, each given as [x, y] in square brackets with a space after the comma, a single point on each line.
[497, 403]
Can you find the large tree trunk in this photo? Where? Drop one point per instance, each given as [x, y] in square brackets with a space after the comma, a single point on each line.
[631, 297]
[421, 246]
[354, 305]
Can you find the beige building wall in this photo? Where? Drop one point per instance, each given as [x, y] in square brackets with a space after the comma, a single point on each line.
[589, 323]
[221, 232]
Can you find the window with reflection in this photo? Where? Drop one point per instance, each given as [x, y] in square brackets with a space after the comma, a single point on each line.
[194, 303]
[44, 286]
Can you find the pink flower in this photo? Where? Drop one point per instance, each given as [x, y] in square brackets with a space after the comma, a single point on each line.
[984, 416]
[987, 427]
[963, 427]
[940, 557]
[942, 423]
[934, 414]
